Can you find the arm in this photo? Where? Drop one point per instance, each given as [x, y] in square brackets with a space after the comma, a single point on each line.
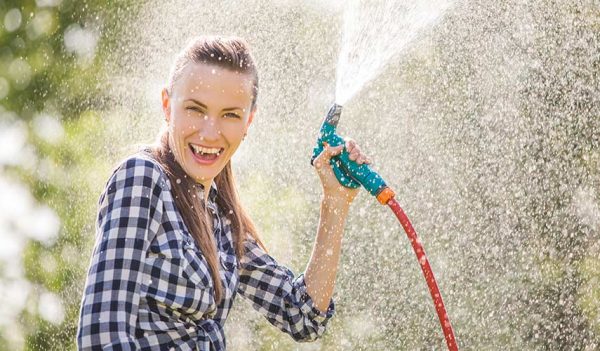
[322, 268]
[303, 306]
[129, 215]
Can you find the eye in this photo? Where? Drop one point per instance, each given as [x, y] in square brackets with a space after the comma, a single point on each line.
[196, 110]
[232, 115]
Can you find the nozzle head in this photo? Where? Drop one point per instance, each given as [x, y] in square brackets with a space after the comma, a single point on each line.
[333, 116]
[327, 131]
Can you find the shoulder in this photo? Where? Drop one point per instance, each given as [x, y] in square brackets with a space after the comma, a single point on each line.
[136, 185]
[138, 170]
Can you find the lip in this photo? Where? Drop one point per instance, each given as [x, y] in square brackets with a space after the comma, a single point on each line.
[205, 162]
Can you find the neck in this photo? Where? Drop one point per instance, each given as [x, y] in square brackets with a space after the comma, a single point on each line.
[207, 185]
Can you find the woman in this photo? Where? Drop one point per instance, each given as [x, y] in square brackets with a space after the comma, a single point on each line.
[174, 245]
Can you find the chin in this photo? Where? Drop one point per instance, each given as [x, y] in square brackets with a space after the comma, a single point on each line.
[201, 175]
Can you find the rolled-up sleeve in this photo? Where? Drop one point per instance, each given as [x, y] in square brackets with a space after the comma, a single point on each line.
[282, 298]
[128, 219]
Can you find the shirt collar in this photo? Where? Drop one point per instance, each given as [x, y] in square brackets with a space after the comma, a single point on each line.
[212, 194]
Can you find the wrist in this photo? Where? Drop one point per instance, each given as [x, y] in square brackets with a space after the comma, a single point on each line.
[335, 201]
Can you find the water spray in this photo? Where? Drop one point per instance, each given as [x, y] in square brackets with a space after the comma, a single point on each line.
[352, 175]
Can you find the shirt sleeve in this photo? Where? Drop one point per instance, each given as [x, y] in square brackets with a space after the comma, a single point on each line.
[283, 299]
[128, 218]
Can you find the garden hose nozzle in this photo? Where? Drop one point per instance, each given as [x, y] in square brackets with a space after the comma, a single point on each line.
[349, 173]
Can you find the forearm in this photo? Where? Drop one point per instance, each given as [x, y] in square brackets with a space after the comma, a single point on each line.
[322, 267]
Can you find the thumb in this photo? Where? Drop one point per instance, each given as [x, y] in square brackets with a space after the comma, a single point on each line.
[327, 153]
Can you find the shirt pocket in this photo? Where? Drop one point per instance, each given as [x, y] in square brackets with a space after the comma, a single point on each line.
[177, 284]
[195, 267]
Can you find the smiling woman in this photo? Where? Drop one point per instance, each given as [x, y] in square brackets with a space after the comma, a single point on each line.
[174, 244]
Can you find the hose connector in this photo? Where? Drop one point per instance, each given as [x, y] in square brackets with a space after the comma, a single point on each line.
[385, 195]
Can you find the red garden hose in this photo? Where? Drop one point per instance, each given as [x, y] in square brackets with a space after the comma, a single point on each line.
[427, 272]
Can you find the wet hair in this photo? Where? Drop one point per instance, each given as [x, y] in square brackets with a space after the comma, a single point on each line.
[230, 53]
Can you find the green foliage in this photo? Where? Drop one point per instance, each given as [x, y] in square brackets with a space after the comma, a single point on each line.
[47, 75]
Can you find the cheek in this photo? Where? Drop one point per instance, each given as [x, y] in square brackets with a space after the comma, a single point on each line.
[183, 125]
[232, 133]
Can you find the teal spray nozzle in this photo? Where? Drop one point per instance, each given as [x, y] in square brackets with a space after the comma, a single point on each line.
[349, 173]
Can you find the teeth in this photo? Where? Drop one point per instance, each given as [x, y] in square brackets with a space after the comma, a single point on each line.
[204, 150]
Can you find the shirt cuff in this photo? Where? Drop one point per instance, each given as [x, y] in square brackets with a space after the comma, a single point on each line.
[307, 304]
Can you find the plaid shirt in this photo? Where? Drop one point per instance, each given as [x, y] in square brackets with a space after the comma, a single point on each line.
[148, 285]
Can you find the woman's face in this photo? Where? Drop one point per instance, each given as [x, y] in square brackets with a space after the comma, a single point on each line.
[208, 112]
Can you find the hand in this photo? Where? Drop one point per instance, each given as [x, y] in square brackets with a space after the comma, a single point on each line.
[332, 189]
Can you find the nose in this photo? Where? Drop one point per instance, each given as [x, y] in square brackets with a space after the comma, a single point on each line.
[209, 130]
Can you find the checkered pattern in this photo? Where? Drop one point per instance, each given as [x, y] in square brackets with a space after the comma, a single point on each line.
[148, 285]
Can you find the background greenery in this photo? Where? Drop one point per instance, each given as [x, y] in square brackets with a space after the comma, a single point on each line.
[488, 127]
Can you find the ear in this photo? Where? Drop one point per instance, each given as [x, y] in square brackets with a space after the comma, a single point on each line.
[251, 116]
[166, 104]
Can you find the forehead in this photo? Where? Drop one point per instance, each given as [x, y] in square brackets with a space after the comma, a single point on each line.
[214, 85]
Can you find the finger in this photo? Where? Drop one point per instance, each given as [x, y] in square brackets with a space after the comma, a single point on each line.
[368, 161]
[355, 151]
[350, 144]
[361, 159]
[354, 154]
[335, 150]
[326, 155]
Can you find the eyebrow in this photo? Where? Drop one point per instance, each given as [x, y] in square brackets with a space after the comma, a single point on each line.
[206, 108]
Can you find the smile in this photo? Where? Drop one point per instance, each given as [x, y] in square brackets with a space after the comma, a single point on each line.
[205, 155]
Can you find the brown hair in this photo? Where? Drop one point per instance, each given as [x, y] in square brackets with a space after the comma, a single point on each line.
[230, 53]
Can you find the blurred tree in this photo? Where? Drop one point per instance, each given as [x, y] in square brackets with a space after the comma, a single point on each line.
[51, 69]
